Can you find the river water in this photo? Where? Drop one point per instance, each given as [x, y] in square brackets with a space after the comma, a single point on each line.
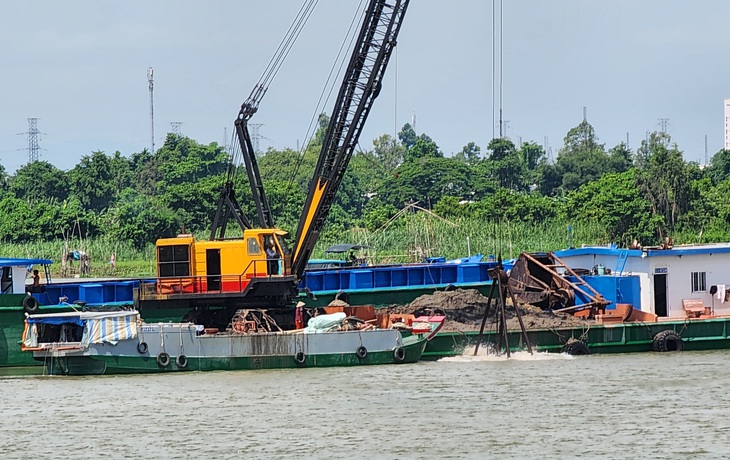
[644, 405]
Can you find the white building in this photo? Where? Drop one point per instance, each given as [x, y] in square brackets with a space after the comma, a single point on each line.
[726, 145]
[667, 276]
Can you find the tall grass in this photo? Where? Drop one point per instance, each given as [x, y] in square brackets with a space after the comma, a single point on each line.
[410, 239]
[129, 261]
[420, 235]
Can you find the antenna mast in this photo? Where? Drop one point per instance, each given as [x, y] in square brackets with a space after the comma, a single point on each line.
[152, 111]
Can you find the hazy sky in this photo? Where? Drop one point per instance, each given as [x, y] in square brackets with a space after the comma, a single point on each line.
[81, 68]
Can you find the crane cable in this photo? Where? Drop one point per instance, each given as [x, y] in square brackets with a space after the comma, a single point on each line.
[329, 86]
[282, 51]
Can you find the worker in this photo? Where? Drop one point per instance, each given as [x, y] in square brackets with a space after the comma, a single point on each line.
[272, 259]
[36, 286]
[299, 315]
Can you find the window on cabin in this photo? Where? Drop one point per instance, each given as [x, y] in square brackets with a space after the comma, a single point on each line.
[254, 248]
[699, 281]
[173, 260]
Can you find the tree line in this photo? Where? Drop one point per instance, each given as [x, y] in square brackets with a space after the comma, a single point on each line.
[643, 195]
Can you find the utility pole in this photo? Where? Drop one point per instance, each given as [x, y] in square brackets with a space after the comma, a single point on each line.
[152, 111]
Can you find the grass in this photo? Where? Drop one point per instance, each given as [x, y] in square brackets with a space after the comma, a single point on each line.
[410, 239]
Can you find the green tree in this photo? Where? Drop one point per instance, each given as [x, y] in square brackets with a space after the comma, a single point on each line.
[665, 180]
[620, 158]
[469, 154]
[719, 168]
[388, 152]
[407, 136]
[39, 180]
[424, 147]
[92, 181]
[427, 181]
[614, 201]
[141, 219]
[581, 160]
[507, 165]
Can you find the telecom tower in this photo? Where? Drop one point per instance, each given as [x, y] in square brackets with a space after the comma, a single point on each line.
[33, 137]
[152, 111]
[175, 127]
[726, 144]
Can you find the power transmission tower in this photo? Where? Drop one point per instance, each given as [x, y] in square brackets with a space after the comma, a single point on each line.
[663, 122]
[33, 138]
[175, 127]
[152, 111]
[255, 136]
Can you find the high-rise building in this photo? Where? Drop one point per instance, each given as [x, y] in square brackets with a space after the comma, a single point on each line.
[726, 145]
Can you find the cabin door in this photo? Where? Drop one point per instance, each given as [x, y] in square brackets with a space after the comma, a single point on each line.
[660, 294]
[213, 269]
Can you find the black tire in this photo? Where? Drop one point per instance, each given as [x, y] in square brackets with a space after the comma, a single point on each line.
[362, 352]
[576, 348]
[142, 348]
[399, 354]
[343, 296]
[181, 361]
[163, 359]
[300, 357]
[30, 304]
[667, 341]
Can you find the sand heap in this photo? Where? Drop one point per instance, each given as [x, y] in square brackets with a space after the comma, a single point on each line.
[464, 310]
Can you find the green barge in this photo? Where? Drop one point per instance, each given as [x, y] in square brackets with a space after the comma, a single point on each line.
[687, 334]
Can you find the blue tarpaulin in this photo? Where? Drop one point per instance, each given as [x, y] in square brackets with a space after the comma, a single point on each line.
[56, 320]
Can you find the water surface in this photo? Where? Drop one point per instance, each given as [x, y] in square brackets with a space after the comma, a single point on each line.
[646, 405]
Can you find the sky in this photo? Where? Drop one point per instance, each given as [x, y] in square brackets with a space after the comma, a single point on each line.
[80, 67]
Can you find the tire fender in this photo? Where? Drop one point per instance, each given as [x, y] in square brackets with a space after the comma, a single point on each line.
[181, 361]
[576, 348]
[142, 347]
[667, 340]
[163, 359]
[300, 357]
[30, 304]
[399, 354]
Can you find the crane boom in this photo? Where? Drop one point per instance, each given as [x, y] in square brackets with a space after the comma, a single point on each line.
[227, 203]
[360, 86]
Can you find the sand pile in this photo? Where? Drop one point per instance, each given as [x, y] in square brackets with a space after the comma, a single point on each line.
[464, 310]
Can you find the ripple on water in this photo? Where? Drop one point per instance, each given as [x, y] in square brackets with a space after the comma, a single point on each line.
[530, 406]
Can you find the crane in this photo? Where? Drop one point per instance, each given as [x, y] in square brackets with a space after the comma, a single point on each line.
[231, 273]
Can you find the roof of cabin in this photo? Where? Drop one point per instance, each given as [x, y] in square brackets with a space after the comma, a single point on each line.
[690, 249]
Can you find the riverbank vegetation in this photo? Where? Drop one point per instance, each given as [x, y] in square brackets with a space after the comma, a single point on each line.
[403, 197]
